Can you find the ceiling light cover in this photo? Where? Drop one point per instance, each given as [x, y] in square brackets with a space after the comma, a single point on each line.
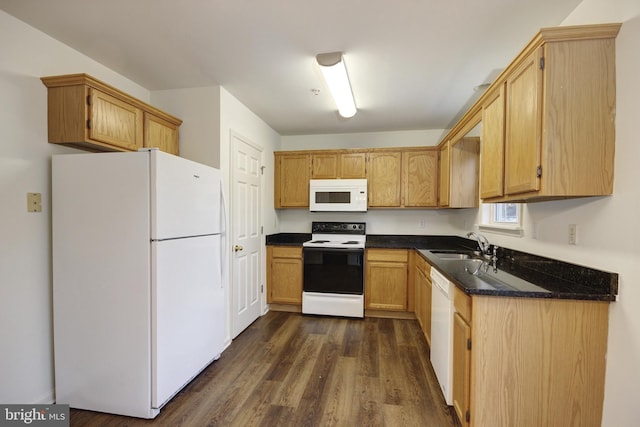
[335, 74]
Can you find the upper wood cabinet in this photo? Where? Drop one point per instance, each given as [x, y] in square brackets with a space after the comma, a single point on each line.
[445, 163]
[492, 146]
[291, 176]
[332, 165]
[404, 178]
[384, 179]
[397, 178]
[548, 120]
[459, 163]
[160, 133]
[88, 114]
[420, 178]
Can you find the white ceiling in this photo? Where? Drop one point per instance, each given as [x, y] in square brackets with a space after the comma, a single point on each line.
[413, 64]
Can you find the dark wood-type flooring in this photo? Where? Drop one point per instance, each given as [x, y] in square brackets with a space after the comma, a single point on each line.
[289, 369]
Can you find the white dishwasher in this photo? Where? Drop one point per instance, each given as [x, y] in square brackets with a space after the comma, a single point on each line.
[442, 333]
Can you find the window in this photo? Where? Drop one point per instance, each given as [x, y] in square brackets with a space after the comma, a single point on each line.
[505, 213]
[502, 218]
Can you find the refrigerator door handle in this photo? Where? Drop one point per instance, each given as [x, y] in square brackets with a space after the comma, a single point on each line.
[223, 225]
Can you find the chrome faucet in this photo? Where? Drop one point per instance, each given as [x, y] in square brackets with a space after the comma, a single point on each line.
[483, 243]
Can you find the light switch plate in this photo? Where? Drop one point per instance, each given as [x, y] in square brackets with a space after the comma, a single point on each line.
[34, 202]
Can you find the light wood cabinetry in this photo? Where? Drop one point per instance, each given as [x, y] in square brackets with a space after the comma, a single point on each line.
[459, 164]
[403, 178]
[384, 178]
[345, 165]
[160, 133]
[492, 147]
[386, 279]
[422, 281]
[291, 176]
[463, 173]
[396, 178]
[88, 114]
[462, 356]
[444, 163]
[525, 361]
[284, 275]
[548, 120]
[419, 178]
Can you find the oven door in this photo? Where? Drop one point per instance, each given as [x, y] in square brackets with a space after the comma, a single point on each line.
[336, 271]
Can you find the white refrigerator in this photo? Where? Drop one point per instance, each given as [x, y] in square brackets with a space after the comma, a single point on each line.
[138, 291]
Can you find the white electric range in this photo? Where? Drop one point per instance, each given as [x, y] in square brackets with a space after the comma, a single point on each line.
[333, 282]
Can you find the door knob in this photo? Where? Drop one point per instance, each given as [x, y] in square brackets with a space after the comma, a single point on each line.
[237, 248]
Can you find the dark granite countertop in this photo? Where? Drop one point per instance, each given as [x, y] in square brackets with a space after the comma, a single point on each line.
[517, 274]
[288, 239]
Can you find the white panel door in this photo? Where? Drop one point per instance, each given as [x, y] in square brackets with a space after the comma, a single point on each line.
[187, 328]
[246, 236]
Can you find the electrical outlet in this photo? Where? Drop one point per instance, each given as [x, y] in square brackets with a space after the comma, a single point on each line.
[34, 202]
[573, 234]
[423, 223]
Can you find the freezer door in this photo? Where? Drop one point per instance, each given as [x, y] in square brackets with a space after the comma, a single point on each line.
[188, 312]
[185, 197]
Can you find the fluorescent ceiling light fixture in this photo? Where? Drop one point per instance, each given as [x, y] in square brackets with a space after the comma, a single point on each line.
[335, 74]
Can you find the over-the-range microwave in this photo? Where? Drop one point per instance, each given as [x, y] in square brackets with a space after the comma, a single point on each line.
[338, 195]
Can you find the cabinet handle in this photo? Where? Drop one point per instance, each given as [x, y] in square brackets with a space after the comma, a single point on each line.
[237, 248]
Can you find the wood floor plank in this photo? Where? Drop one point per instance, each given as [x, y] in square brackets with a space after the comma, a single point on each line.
[289, 369]
[340, 393]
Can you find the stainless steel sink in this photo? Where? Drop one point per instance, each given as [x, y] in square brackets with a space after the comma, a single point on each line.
[451, 255]
[456, 254]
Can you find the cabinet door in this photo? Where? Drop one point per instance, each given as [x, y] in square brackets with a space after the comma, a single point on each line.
[384, 179]
[386, 286]
[284, 275]
[423, 300]
[161, 134]
[115, 122]
[463, 182]
[461, 368]
[523, 126]
[492, 146]
[324, 166]
[427, 305]
[419, 170]
[386, 279]
[292, 180]
[444, 175]
[353, 165]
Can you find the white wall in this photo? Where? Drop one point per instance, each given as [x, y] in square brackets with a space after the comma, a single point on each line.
[199, 109]
[608, 234]
[26, 359]
[408, 138]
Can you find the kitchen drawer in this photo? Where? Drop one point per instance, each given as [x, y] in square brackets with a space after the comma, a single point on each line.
[286, 251]
[388, 255]
[462, 303]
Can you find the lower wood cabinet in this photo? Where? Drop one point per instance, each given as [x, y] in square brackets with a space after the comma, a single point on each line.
[462, 356]
[422, 283]
[386, 279]
[284, 274]
[528, 361]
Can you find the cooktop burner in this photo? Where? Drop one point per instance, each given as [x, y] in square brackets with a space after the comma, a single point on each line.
[337, 235]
